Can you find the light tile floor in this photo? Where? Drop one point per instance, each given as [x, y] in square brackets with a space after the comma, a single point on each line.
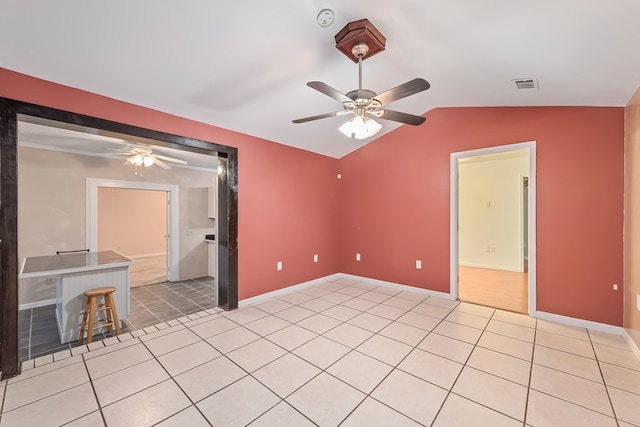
[340, 353]
[150, 304]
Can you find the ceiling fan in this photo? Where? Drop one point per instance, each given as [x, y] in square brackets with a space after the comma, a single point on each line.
[364, 104]
[142, 155]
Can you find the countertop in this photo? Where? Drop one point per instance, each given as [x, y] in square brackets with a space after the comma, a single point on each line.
[69, 263]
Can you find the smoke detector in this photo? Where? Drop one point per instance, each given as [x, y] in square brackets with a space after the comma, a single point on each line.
[525, 84]
[325, 17]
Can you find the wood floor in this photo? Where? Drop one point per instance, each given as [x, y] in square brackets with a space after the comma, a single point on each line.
[148, 270]
[494, 288]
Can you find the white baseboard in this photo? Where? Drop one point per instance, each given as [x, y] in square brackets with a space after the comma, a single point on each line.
[490, 266]
[581, 323]
[146, 255]
[37, 304]
[292, 288]
[258, 298]
[632, 343]
[398, 286]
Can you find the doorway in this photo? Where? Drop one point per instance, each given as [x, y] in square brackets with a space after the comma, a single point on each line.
[12, 112]
[493, 227]
[170, 215]
[135, 223]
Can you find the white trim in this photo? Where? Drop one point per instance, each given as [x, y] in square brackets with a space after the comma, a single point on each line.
[92, 214]
[580, 323]
[146, 255]
[631, 342]
[453, 221]
[399, 286]
[489, 266]
[259, 298]
[37, 304]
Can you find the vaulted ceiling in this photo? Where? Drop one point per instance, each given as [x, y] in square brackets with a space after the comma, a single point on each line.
[243, 64]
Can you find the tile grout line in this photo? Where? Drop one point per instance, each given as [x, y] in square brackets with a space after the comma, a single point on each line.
[176, 382]
[324, 370]
[351, 350]
[450, 391]
[604, 382]
[533, 352]
[95, 394]
[394, 367]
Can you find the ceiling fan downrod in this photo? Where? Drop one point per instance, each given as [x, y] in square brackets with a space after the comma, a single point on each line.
[360, 50]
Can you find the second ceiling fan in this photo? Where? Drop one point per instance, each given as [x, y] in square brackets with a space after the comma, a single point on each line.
[362, 40]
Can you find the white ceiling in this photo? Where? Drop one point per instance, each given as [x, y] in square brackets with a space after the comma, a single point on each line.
[91, 144]
[243, 64]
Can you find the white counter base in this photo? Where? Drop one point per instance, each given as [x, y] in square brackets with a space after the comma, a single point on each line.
[76, 273]
[70, 300]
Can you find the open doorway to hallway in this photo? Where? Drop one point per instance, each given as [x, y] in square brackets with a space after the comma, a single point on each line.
[493, 223]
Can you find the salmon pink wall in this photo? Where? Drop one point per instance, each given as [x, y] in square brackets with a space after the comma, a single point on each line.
[286, 197]
[395, 198]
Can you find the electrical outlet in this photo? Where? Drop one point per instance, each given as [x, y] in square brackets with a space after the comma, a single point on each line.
[615, 287]
[357, 257]
[418, 264]
[279, 266]
[50, 280]
[493, 248]
[315, 258]
[339, 176]
[189, 232]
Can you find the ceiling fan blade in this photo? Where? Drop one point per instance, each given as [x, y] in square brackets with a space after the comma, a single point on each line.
[170, 159]
[397, 116]
[406, 89]
[319, 116]
[329, 91]
[160, 163]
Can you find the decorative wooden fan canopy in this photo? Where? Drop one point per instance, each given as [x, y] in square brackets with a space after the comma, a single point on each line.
[357, 32]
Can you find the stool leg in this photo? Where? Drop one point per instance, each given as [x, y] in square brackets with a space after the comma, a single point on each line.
[114, 313]
[107, 313]
[85, 315]
[92, 318]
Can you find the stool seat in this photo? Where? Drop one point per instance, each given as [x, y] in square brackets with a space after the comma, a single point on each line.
[91, 308]
[95, 292]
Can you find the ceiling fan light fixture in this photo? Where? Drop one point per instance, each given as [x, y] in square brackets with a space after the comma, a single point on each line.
[360, 127]
[137, 160]
[148, 161]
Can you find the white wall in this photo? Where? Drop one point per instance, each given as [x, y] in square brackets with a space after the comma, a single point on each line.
[51, 208]
[491, 213]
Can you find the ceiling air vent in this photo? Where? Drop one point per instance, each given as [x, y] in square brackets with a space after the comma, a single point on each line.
[524, 84]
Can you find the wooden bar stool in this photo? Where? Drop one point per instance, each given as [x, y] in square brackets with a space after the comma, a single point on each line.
[91, 308]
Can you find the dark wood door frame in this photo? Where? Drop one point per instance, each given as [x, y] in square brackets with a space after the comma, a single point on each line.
[11, 111]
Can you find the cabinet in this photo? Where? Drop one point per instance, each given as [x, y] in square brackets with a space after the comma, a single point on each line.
[212, 205]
